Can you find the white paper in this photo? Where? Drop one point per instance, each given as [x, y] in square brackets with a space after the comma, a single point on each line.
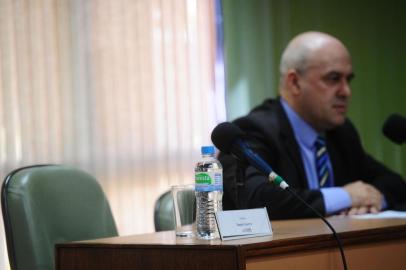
[382, 215]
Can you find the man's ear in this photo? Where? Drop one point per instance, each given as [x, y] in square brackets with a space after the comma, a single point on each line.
[292, 81]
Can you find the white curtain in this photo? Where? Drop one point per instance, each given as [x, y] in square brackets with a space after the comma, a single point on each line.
[124, 89]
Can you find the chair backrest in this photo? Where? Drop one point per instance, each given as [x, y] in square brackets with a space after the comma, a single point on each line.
[47, 204]
[164, 214]
[164, 217]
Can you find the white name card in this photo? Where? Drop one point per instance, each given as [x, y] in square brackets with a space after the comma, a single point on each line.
[236, 224]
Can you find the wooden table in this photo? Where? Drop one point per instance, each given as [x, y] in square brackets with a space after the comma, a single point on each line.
[295, 244]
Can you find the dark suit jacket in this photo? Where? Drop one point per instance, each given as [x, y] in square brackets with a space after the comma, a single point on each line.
[271, 136]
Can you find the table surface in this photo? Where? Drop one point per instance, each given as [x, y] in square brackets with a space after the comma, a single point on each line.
[378, 243]
[286, 233]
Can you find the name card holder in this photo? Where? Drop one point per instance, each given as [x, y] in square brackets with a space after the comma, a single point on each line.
[237, 224]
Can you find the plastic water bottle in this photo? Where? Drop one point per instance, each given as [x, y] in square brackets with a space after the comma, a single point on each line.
[209, 193]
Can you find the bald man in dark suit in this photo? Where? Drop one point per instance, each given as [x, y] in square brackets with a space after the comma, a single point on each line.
[305, 136]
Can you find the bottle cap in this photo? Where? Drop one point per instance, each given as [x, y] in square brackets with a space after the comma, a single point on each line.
[207, 150]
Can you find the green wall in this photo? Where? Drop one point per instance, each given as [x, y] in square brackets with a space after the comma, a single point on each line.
[256, 31]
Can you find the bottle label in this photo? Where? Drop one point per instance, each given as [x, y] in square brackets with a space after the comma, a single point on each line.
[209, 181]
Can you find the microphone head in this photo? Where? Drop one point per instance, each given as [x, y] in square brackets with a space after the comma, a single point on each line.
[225, 135]
[394, 128]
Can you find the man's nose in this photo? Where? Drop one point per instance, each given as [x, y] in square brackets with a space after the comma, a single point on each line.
[345, 89]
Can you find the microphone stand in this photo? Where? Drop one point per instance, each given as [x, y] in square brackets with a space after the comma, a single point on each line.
[239, 182]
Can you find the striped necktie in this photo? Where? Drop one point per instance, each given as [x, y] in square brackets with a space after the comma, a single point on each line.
[322, 160]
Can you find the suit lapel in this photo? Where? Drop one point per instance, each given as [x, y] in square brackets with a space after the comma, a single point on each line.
[290, 144]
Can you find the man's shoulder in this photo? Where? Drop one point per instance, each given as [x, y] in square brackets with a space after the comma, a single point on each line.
[268, 106]
[265, 117]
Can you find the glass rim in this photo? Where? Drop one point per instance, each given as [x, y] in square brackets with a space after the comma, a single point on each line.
[182, 186]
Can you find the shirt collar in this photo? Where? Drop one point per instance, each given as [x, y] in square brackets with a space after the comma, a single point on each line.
[304, 133]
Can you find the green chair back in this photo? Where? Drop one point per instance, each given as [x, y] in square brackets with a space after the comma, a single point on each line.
[164, 217]
[47, 204]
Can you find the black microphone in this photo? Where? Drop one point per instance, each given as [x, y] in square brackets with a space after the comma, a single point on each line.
[394, 128]
[229, 139]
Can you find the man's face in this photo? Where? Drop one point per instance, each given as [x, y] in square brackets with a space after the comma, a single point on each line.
[324, 88]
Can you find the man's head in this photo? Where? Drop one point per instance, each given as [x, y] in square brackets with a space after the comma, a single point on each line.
[316, 70]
